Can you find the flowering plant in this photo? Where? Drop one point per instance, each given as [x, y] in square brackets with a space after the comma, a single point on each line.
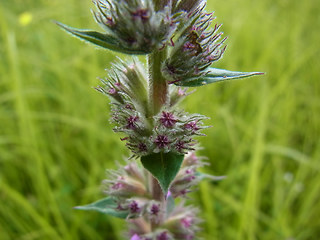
[180, 46]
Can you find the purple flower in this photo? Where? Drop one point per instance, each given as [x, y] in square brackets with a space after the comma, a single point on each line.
[167, 119]
[135, 237]
[161, 141]
[134, 207]
[112, 91]
[142, 147]
[163, 236]
[131, 122]
[180, 146]
[192, 126]
[187, 222]
[155, 209]
[117, 186]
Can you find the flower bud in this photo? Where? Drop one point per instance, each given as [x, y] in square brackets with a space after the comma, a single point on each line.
[135, 206]
[127, 79]
[134, 171]
[195, 50]
[154, 211]
[136, 24]
[125, 187]
[182, 223]
[192, 160]
[185, 179]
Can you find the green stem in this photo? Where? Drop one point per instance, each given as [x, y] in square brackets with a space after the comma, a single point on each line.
[157, 194]
[157, 83]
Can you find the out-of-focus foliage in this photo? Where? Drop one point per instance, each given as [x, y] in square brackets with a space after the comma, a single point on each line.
[56, 142]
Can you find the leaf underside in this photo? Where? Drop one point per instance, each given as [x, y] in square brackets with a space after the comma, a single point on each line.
[163, 166]
[215, 75]
[102, 40]
[107, 206]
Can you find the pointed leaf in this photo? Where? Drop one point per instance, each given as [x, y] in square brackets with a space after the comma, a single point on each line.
[107, 206]
[163, 166]
[215, 75]
[102, 40]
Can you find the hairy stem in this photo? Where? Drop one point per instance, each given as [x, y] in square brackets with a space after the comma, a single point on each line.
[157, 194]
[157, 83]
[158, 96]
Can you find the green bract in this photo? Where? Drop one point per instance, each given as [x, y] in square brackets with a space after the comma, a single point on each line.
[164, 167]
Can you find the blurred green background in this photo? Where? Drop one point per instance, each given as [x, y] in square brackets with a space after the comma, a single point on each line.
[56, 142]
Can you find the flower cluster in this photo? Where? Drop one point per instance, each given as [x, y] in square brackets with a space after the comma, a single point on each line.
[180, 45]
[195, 49]
[170, 130]
[136, 23]
[129, 186]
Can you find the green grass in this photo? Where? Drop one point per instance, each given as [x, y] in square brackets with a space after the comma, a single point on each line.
[56, 142]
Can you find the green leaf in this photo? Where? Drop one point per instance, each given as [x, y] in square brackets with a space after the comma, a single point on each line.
[107, 206]
[163, 166]
[102, 40]
[215, 75]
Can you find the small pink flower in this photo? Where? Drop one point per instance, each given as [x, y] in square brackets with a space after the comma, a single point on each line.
[135, 237]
